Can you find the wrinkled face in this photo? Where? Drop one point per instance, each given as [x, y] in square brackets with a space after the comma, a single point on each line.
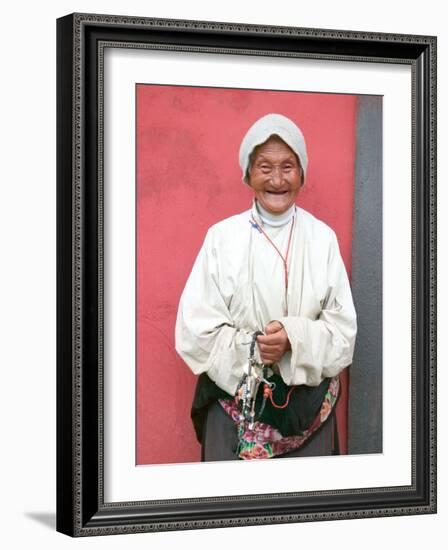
[275, 175]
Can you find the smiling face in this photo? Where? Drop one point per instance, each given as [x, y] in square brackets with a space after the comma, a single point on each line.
[275, 175]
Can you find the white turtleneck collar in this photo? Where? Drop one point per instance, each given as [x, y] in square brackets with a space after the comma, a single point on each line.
[275, 220]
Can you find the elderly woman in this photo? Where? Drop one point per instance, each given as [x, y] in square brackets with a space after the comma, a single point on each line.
[275, 269]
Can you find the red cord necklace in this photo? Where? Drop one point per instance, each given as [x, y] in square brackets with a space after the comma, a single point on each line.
[284, 259]
[267, 390]
[268, 394]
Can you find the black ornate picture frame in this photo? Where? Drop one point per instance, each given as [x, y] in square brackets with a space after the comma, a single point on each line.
[81, 507]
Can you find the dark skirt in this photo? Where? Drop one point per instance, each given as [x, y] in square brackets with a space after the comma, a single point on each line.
[220, 439]
[216, 431]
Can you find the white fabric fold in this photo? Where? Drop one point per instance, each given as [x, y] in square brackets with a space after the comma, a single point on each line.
[275, 220]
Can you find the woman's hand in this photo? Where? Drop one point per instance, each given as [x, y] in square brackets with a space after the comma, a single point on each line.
[273, 343]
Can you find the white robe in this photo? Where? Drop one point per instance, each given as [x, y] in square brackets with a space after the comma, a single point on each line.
[237, 286]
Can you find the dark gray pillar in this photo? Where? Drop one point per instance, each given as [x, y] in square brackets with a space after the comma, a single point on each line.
[365, 403]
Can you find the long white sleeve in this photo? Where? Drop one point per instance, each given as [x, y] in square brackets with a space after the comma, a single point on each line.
[322, 347]
[206, 336]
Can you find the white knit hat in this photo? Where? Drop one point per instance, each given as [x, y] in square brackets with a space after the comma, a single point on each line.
[263, 129]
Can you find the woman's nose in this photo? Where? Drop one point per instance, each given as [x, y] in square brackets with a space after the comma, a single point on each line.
[276, 175]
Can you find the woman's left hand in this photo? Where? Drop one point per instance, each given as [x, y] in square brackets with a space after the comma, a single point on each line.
[273, 343]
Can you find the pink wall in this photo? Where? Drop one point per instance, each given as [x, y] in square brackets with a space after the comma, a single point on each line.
[187, 179]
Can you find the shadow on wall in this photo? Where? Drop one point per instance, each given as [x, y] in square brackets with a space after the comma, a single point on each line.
[48, 519]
